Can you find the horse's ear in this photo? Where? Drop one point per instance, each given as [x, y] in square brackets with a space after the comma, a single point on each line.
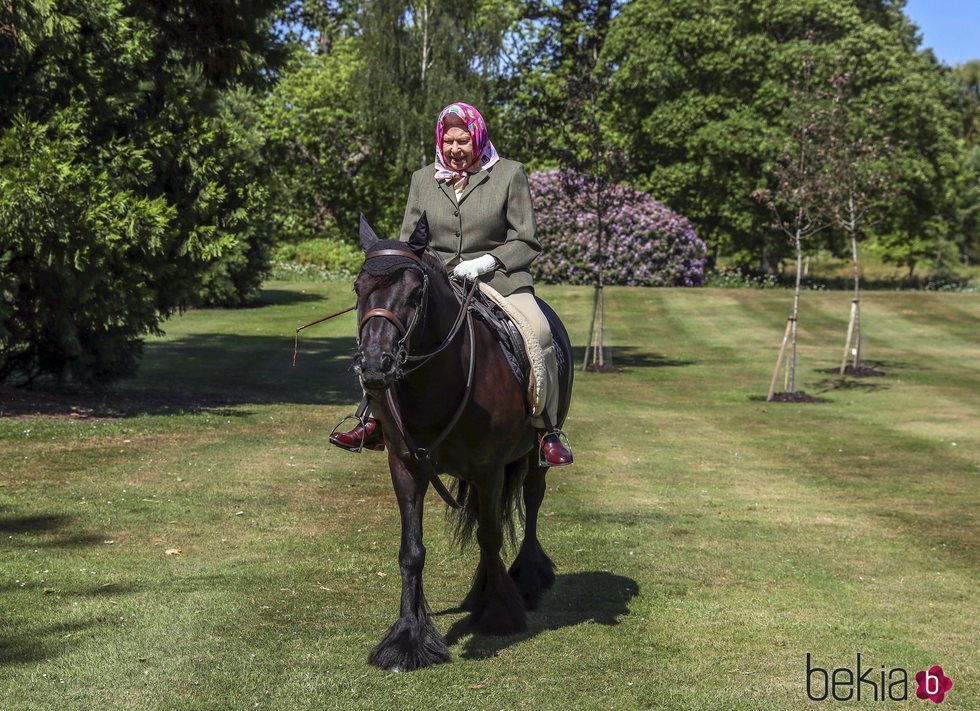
[368, 238]
[420, 236]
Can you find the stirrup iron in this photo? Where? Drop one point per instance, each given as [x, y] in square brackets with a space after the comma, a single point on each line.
[361, 420]
[562, 437]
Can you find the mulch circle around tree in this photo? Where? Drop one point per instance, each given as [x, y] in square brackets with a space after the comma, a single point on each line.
[798, 396]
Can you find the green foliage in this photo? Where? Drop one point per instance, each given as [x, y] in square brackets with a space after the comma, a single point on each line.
[552, 98]
[969, 214]
[234, 277]
[697, 100]
[317, 146]
[124, 171]
[78, 247]
[967, 78]
[331, 256]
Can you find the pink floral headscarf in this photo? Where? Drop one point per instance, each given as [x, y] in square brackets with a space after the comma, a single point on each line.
[482, 147]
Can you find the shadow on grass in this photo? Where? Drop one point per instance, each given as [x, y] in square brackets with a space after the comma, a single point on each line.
[217, 373]
[41, 523]
[598, 597]
[847, 384]
[40, 643]
[798, 398]
[629, 357]
[55, 529]
[210, 373]
[284, 297]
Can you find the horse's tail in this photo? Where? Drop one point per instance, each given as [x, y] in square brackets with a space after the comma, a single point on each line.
[463, 522]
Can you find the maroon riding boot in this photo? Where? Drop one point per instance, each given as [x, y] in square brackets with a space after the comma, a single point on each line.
[556, 454]
[366, 437]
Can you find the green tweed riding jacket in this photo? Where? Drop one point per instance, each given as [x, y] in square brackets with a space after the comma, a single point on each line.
[494, 216]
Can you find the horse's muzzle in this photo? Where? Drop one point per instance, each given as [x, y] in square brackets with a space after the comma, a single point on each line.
[376, 373]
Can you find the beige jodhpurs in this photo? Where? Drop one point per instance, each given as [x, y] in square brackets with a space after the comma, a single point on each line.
[523, 301]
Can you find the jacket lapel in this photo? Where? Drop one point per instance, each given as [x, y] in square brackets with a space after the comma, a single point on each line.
[477, 179]
[447, 191]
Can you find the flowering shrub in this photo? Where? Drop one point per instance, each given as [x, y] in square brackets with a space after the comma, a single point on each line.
[647, 244]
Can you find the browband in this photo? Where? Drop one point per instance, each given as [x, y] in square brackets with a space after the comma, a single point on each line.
[393, 253]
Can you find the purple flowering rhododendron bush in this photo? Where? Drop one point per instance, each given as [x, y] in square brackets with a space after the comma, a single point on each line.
[647, 244]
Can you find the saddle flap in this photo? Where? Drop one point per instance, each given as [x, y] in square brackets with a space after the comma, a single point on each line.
[507, 334]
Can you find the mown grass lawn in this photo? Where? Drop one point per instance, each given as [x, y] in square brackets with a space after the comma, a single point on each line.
[706, 540]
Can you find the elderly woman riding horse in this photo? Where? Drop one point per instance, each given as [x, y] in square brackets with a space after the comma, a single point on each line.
[444, 396]
[481, 222]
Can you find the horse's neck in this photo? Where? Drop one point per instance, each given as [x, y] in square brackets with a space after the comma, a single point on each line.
[440, 314]
[445, 373]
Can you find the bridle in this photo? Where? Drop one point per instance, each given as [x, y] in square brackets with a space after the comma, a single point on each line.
[402, 357]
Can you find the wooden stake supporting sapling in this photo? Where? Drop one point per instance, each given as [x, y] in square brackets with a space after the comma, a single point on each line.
[779, 360]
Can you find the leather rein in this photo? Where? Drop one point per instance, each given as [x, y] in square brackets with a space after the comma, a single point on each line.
[403, 357]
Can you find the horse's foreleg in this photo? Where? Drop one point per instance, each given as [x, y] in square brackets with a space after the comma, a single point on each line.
[495, 604]
[413, 641]
[533, 570]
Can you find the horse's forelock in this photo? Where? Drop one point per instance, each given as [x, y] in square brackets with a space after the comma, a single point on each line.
[388, 264]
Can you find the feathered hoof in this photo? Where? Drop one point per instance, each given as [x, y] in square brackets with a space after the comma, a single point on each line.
[534, 574]
[411, 643]
[500, 615]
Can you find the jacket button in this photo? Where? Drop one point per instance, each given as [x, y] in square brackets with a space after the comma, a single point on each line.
[457, 233]
[455, 213]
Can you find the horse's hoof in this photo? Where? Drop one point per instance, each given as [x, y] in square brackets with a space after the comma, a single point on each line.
[534, 574]
[411, 643]
[499, 616]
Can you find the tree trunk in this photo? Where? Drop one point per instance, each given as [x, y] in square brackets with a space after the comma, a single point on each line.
[598, 355]
[599, 335]
[797, 240]
[847, 341]
[857, 294]
[589, 343]
[424, 21]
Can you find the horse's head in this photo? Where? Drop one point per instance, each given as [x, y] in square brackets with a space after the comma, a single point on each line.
[392, 291]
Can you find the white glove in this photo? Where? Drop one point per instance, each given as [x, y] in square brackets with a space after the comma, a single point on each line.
[472, 268]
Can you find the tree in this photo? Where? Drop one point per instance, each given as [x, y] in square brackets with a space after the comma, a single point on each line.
[317, 145]
[967, 76]
[801, 194]
[697, 92]
[417, 56]
[862, 175]
[119, 178]
[556, 84]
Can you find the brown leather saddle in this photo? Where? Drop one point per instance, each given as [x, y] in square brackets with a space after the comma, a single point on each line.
[504, 330]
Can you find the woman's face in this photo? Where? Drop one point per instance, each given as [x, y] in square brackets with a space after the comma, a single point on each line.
[457, 148]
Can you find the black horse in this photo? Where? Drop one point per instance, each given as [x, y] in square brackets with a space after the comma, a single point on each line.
[449, 403]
